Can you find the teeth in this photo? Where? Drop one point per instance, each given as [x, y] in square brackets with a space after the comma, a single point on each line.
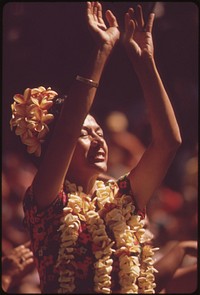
[98, 155]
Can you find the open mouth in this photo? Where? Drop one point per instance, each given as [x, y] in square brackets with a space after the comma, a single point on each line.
[97, 156]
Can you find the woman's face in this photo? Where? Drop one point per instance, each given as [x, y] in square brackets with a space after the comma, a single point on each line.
[91, 150]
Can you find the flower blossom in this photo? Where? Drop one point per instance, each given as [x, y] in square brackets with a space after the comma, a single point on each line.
[30, 116]
[136, 271]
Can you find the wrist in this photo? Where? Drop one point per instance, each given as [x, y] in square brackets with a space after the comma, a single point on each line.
[144, 64]
[96, 63]
[104, 50]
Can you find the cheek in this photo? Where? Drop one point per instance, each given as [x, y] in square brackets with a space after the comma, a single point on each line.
[82, 148]
[106, 150]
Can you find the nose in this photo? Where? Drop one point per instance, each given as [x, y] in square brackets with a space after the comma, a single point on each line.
[97, 140]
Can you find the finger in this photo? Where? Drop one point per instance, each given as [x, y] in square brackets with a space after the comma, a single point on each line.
[92, 7]
[140, 18]
[22, 260]
[89, 9]
[128, 16]
[129, 23]
[111, 19]
[130, 29]
[28, 244]
[23, 252]
[89, 12]
[150, 21]
[18, 249]
[95, 9]
[131, 12]
[126, 21]
[27, 254]
[26, 261]
[29, 261]
[99, 13]
[99, 10]
[89, 6]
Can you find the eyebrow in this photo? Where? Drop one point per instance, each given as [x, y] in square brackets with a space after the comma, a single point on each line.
[88, 128]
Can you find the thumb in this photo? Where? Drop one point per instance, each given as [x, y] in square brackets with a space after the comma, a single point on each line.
[111, 19]
[150, 21]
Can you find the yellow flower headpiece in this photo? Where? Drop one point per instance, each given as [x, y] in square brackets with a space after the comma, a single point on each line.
[31, 118]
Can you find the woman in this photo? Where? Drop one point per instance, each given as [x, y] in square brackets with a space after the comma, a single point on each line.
[88, 236]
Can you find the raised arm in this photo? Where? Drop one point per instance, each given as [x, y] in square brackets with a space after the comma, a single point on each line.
[52, 171]
[150, 171]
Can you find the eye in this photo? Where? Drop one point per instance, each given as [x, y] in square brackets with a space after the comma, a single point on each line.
[100, 133]
[84, 133]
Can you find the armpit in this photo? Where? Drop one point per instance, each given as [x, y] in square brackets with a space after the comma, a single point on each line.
[125, 188]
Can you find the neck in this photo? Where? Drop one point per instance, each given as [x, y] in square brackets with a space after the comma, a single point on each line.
[88, 184]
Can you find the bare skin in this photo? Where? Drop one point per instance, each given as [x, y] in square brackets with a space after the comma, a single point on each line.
[171, 276]
[80, 98]
[59, 159]
[155, 162]
[18, 263]
[91, 155]
[77, 150]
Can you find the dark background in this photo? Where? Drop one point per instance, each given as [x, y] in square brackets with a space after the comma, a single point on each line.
[46, 43]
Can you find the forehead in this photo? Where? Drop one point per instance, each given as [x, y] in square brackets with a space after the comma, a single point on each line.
[90, 122]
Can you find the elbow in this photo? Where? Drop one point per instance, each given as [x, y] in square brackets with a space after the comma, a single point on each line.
[176, 142]
[173, 146]
[170, 144]
[173, 141]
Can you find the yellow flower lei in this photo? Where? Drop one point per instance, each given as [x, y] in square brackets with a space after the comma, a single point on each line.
[106, 209]
[30, 116]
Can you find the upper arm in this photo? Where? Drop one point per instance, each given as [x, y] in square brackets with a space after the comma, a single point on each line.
[149, 173]
[51, 173]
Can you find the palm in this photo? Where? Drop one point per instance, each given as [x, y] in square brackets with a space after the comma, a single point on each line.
[101, 33]
[141, 42]
[136, 39]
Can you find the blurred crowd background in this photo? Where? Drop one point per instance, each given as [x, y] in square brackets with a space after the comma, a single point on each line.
[46, 43]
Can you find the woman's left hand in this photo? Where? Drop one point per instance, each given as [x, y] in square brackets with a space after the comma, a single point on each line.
[137, 38]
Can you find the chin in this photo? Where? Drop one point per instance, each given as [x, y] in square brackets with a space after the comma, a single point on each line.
[100, 167]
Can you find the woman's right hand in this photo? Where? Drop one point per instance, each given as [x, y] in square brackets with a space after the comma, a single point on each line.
[104, 36]
[57, 160]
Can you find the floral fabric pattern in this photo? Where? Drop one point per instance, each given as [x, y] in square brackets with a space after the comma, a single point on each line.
[43, 228]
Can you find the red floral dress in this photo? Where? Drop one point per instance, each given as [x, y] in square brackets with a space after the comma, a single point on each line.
[43, 229]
